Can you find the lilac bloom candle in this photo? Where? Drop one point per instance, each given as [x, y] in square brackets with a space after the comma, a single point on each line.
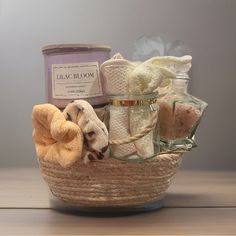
[72, 72]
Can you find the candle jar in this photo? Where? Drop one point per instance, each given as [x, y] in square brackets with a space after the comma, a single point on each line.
[72, 72]
[179, 116]
[133, 127]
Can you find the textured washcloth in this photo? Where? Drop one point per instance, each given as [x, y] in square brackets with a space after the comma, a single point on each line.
[156, 73]
[119, 129]
[139, 118]
[177, 65]
[145, 79]
[94, 130]
[116, 72]
[56, 140]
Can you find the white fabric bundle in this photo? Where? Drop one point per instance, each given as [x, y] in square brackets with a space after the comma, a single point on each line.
[119, 129]
[126, 78]
[145, 79]
[116, 71]
[139, 118]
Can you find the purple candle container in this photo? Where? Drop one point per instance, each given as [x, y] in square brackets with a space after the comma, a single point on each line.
[72, 72]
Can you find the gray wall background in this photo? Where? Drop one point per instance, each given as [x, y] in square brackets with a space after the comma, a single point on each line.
[206, 26]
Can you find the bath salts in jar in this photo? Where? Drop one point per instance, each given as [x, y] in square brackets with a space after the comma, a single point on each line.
[180, 114]
[72, 72]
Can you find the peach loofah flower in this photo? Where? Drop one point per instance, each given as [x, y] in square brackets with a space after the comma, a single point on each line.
[56, 139]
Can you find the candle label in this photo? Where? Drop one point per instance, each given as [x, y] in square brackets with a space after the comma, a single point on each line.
[76, 80]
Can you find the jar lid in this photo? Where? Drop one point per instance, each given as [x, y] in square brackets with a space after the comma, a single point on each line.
[56, 48]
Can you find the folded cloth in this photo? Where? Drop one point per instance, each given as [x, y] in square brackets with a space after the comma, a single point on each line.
[147, 77]
[119, 129]
[56, 139]
[139, 118]
[116, 72]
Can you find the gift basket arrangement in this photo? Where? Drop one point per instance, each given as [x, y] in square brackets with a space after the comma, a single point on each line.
[119, 137]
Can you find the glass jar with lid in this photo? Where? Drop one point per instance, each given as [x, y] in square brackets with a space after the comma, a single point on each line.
[180, 113]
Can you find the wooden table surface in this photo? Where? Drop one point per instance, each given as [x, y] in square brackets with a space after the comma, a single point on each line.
[197, 203]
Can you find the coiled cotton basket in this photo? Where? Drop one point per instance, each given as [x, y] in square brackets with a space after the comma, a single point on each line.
[110, 182]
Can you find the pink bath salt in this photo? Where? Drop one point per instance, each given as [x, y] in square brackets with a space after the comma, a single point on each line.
[179, 124]
[166, 120]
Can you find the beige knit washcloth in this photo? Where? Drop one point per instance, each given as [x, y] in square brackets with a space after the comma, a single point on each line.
[116, 71]
[145, 79]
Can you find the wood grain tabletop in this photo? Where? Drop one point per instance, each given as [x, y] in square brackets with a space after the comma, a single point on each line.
[197, 203]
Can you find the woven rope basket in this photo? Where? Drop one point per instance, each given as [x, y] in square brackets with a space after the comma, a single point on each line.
[111, 182]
